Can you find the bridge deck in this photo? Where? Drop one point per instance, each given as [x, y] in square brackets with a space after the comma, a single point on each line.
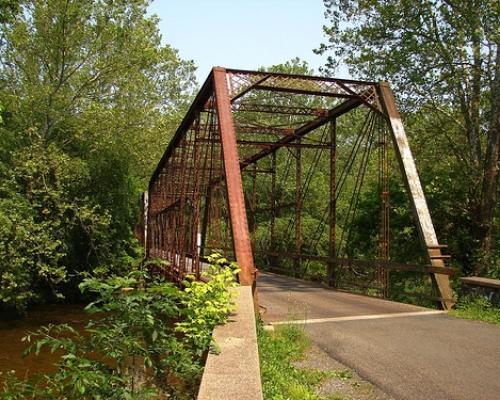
[405, 351]
[284, 298]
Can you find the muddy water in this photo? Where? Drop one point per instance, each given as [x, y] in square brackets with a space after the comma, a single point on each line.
[11, 333]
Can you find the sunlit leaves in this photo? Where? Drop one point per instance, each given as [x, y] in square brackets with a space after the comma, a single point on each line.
[89, 96]
[146, 338]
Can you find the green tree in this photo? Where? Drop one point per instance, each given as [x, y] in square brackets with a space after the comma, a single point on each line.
[85, 74]
[88, 92]
[443, 58]
[7, 9]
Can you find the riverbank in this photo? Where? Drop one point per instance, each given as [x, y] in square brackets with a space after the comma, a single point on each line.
[12, 332]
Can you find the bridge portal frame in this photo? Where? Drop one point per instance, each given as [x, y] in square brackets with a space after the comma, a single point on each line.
[222, 92]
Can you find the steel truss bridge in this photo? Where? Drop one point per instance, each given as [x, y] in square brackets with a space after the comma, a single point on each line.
[244, 164]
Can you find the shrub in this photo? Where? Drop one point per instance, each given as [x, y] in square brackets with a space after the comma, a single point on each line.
[477, 308]
[149, 338]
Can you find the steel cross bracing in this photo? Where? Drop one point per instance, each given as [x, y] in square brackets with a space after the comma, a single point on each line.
[240, 168]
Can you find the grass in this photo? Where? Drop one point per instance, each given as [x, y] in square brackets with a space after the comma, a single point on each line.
[281, 380]
[478, 309]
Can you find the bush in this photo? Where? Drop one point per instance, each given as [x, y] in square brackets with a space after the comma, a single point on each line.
[149, 338]
[48, 232]
[477, 308]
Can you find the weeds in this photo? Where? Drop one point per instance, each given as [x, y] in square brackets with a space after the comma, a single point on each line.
[147, 342]
[477, 308]
[281, 380]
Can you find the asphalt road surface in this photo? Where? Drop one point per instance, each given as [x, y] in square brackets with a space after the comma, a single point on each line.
[411, 353]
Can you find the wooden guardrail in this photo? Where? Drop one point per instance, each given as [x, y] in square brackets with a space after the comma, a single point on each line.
[489, 288]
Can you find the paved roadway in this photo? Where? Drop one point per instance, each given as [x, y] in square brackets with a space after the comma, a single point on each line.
[409, 352]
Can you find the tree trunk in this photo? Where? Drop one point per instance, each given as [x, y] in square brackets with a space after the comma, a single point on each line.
[490, 177]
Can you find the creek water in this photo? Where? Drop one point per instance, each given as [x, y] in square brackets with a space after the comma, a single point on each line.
[12, 331]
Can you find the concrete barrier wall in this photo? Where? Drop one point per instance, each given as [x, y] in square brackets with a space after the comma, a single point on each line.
[234, 373]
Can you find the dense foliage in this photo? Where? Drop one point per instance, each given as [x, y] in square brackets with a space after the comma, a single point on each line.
[443, 59]
[147, 338]
[448, 191]
[477, 308]
[89, 95]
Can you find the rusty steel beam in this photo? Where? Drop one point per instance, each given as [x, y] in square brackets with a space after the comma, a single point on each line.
[279, 109]
[384, 209]
[335, 112]
[298, 208]
[302, 77]
[197, 105]
[277, 207]
[272, 246]
[253, 205]
[145, 211]
[204, 221]
[197, 185]
[258, 171]
[268, 144]
[236, 200]
[414, 188]
[372, 264]
[300, 132]
[302, 91]
[264, 130]
[304, 85]
[332, 210]
[248, 89]
[197, 159]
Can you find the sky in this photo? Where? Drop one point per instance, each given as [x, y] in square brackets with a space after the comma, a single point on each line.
[244, 34]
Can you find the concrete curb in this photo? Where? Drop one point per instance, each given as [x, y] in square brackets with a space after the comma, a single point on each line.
[234, 373]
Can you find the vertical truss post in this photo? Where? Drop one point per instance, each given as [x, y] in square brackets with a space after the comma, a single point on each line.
[195, 223]
[145, 216]
[273, 259]
[204, 222]
[181, 245]
[414, 188]
[332, 250]
[239, 225]
[384, 209]
[215, 216]
[210, 132]
[170, 236]
[176, 191]
[253, 204]
[298, 208]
